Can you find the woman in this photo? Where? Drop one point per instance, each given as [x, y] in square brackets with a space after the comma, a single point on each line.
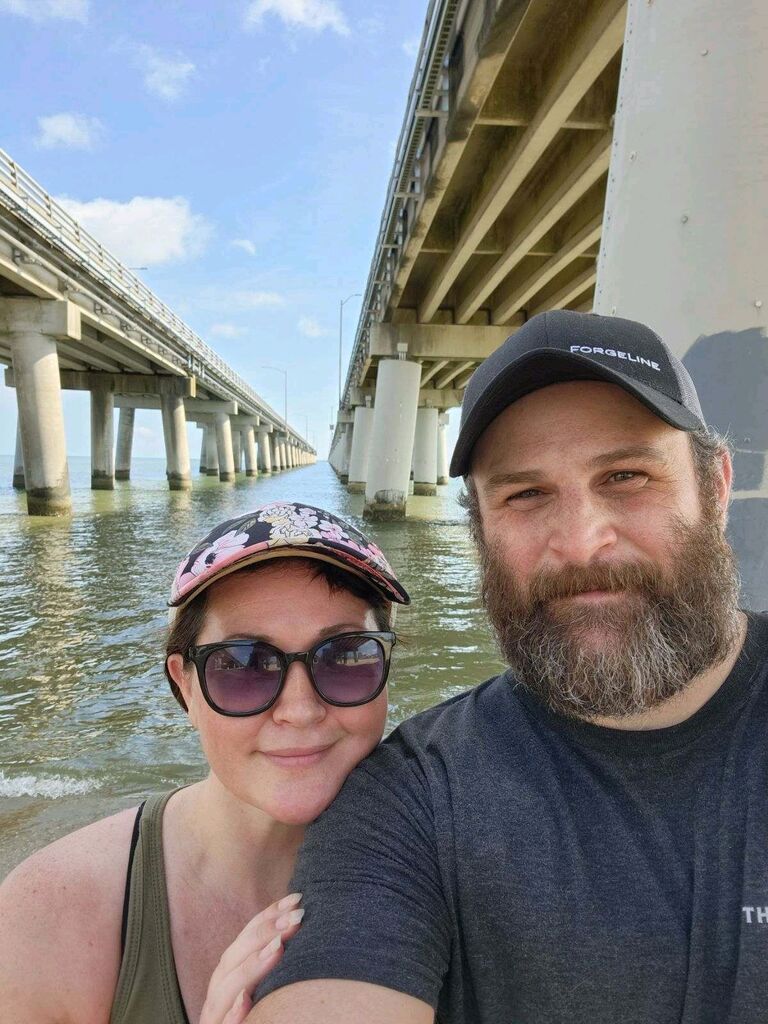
[278, 651]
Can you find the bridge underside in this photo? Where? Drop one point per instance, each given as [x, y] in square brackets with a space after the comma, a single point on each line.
[495, 208]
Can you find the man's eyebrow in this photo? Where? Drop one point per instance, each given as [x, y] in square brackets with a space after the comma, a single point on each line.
[638, 451]
[649, 453]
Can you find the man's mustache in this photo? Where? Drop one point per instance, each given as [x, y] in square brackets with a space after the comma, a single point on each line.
[571, 580]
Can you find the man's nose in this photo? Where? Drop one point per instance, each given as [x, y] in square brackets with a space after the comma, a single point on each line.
[299, 704]
[582, 529]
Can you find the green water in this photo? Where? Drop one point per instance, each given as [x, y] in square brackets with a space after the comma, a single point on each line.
[87, 723]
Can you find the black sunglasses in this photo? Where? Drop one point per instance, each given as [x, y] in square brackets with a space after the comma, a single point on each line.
[245, 677]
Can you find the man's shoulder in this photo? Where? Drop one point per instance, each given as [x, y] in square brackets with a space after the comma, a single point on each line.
[453, 727]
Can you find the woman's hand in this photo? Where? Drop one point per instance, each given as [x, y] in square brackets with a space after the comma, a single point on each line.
[249, 960]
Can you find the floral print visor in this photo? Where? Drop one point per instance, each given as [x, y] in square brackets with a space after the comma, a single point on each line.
[278, 530]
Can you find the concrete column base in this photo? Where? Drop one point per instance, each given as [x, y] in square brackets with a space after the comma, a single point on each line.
[18, 463]
[389, 507]
[425, 490]
[356, 486]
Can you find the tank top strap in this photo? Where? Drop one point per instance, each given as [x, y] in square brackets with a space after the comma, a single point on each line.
[147, 986]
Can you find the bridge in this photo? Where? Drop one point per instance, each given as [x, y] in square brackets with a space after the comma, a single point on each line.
[73, 317]
[590, 155]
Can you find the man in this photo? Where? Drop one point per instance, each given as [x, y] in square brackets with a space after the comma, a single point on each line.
[583, 839]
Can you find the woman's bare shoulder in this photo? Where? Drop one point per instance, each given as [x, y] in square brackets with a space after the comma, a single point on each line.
[60, 919]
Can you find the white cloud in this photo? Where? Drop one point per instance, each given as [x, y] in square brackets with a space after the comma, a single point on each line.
[311, 328]
[166, 77]
[410, 47]
[144, 231]
[246, 244]
[310, 14]
[47, 10]
[68, 131]
[227, 330]
[247, 299]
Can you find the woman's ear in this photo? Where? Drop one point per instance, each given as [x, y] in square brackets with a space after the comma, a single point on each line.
[183, 678]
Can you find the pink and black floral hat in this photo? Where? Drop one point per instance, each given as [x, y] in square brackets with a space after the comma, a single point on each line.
[278, 530]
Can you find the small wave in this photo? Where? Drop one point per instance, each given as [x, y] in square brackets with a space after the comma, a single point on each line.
[52, 787]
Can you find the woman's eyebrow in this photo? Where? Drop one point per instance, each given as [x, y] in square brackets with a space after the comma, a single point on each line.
[339, 627]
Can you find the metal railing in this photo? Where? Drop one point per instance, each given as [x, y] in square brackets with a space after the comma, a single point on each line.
[28, 200]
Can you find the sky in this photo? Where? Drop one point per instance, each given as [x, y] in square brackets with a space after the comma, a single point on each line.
[239, 150]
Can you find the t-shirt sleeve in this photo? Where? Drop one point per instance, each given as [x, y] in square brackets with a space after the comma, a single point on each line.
[368, 869]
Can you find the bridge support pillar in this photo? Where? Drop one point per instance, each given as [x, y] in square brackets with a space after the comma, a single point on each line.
[124, 444]
[178, 469]
[697, 74]
[32, 326]
[203, 450]
[265, 450]
[18, 462]
[361, 447]
[425, 452]
[345, 451]
[275, 443]
[224, 446]
[237, 450]
[442, 448]
[251, 456]
[394, 426]
[102, 438]
[211, 451]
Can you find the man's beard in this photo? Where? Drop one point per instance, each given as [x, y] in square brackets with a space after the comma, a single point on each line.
[621, 655]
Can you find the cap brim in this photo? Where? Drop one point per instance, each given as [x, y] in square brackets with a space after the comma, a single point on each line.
[553, 366]
[389, 589]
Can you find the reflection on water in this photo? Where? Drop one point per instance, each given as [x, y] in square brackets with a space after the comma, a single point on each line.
[87, 720]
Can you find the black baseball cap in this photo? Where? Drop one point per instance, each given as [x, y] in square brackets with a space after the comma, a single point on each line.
[562, 345]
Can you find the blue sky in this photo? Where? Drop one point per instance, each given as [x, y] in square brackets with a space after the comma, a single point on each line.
[238, 149]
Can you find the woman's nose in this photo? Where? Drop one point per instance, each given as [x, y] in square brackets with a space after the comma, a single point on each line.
[299, 703]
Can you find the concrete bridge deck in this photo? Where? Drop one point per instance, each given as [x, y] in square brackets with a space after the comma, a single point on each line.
[112, 336]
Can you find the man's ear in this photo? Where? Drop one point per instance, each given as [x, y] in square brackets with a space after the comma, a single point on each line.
[723, 484]
[183, 678]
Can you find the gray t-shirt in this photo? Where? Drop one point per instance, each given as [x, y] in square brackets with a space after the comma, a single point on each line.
[506, 864]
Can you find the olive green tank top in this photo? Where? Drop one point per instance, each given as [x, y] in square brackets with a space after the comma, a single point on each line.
[147, 986]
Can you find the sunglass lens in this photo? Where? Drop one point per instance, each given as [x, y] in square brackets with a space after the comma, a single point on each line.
[349, 669]
[243, 678]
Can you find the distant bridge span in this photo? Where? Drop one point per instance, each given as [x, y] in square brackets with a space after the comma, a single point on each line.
[72, 316]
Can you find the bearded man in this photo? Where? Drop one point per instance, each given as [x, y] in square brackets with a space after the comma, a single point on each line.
[583, 839]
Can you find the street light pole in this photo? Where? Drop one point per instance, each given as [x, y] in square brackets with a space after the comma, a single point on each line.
[342, 304]
[285, 390]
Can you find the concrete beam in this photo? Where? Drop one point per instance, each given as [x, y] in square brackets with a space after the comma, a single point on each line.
[588, 53]
[54, 318]
[560, 195]
[121, 383]
[516, 298]
[436, 341]
[241, 421]
[198, 409]
[569, 291]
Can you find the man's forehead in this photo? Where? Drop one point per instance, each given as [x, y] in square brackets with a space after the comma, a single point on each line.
[583, 419]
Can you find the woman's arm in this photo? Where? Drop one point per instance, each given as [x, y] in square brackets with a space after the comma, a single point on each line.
[60, 914]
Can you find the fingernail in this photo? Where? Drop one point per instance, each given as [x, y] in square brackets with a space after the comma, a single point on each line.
[289, 901]
[288, 920]
[271, 948]
[241, 999]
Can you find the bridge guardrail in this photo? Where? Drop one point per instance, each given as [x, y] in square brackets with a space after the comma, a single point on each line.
[30, 200]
